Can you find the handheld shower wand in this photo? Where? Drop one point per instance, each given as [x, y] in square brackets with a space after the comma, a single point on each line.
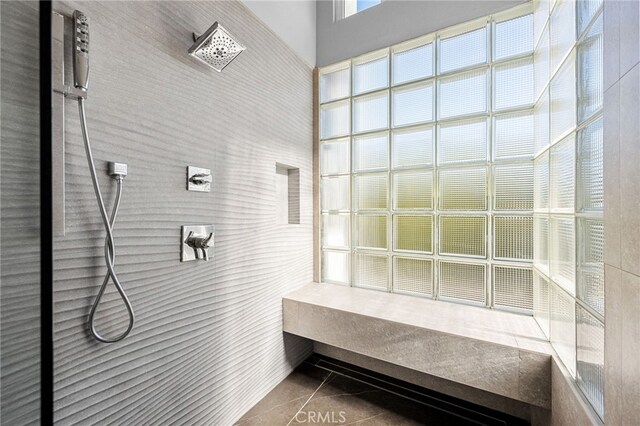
[117, 171]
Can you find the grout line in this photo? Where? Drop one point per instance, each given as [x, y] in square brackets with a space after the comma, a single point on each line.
[307, 401]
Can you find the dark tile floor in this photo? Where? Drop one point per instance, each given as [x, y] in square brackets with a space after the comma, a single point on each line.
[321, 392]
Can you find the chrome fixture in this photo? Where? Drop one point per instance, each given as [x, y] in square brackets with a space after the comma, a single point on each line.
[117, 171]
[199, 179]
[196, 242]
[216, 47]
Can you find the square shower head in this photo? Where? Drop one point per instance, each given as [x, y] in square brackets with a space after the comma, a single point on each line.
[216, 47]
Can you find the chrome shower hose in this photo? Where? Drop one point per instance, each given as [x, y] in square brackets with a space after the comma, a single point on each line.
[109, 246]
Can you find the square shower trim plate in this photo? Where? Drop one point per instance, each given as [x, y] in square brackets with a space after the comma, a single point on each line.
[187, 253]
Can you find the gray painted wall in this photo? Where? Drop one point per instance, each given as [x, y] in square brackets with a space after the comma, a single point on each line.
[391, 22]
[622, 222]
[208, 341]
[20, 214]
[294, 21]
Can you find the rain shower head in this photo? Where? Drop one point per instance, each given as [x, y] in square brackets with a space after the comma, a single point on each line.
[216, 47]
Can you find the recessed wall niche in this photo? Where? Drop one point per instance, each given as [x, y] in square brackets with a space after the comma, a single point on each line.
[287, 195]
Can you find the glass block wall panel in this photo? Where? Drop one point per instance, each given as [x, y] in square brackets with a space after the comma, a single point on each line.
[591, 72]
[371, 192]
[562, 175]
[513, 185]
[513, 37]
[563, 32]
[513, 237]
[335, 231]
[590, 168]
[412, 275]
[334, 157]
[334, 193]
[464, 189]
[462, 281]
[586, 10]
[370, 72]
[513, 136]
[542, 63]
[540, 18]
[371, 112]
[563, 326]
[335, 267]
[541, 243]
[541, 301]
[371, 271]
[463, 50]
[513, 287]
[371, 152]
[335, 83]
[413, 190]
[413, 233]
[541, 123]
[412, 104]
[334, 119]
[590, 358]
[541, 183]
[562, 252]
[513, 84]
[590, 285]
[462, 142]
[412, 147]
[413, 61]
[563, 101]
[371, 231]
[463, 235]
[470, 86]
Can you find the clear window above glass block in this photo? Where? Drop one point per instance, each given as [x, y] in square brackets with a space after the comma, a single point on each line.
[463, 50]
[470, 86]
[513, 37]
[371, 152]
[334, 119]
[464, 189]
[412, 61]
[462, 142]
[513, 135]
[371, 72]
[334, 157]
[371, 112]
[413, 190]
[513, 84]
[412, 147]
[412, 104]
[335, 82]
[413, 233]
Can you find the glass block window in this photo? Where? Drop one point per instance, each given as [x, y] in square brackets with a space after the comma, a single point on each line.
[568, 228]
[426, 164]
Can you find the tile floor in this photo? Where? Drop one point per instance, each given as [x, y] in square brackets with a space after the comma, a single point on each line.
[321, 391]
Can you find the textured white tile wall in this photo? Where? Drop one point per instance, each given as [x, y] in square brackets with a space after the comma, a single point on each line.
[20, 213]
[208, 340]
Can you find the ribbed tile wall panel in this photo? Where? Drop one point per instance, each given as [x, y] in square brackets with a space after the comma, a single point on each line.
[208, 341]
[20, 211]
